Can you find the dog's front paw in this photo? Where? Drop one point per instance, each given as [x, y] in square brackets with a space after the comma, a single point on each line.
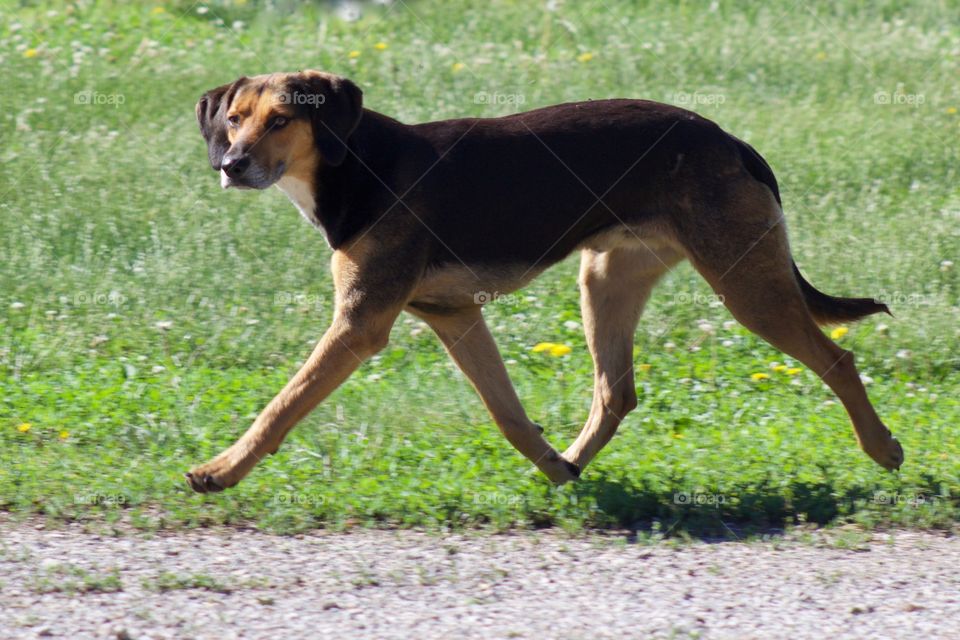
[212, 477]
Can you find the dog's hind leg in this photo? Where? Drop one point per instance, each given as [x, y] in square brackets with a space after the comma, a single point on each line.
[741, 249]
[614, 287]
[468, 341]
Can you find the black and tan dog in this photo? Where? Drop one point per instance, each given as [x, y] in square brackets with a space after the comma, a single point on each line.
[423, 217]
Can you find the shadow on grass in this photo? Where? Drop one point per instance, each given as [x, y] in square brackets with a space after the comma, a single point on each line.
[718, 517]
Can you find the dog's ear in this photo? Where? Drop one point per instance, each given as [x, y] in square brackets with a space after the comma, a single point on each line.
[334, 106]
[212, 117]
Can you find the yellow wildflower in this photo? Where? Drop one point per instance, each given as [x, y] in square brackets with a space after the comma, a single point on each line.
[585, 57]
[23, 428]
[951, 110]
[157, 11]
[552, 348]
[353, 54]
[380, 46]
[558, 350]
[64, 435]
[757, 377]
[780, 368]
[458, 66]
[839, 332]
[30, 53]
[644, 367]
[792, 371]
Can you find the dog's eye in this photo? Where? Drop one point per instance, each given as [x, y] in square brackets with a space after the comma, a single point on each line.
[279, 122]
[234, 121]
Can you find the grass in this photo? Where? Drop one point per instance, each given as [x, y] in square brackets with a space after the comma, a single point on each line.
[72, 580]
[168, 581]
[146, 316]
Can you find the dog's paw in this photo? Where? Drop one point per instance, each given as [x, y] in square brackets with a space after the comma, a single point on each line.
[211, 477]
[889, 456]
[560, 470]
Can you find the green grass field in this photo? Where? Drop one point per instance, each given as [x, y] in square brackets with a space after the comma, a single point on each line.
[146, 316]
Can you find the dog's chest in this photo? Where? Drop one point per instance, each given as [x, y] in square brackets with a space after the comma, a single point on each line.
[300, 193]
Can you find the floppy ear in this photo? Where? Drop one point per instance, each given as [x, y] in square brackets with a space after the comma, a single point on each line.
[335, 106]
[212, 116]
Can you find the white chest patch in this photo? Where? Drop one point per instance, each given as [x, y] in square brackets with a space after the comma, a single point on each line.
[301, 195]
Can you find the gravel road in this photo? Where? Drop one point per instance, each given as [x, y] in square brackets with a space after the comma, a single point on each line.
[225, 583]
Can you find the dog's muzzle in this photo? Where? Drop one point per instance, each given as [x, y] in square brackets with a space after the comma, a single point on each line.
[242, 171]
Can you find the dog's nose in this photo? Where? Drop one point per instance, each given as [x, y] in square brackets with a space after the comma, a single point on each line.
[235, 166]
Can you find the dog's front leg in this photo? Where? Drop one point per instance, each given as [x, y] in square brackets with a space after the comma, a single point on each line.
[469, 343]
[344, 346]
[361, 327]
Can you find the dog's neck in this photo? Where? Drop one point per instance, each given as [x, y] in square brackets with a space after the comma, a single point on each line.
[327, 196]
[302, 194]
[301, 188]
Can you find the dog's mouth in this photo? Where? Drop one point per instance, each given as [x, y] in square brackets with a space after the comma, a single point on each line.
[254, 178]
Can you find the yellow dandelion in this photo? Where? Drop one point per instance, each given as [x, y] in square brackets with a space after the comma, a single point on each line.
[757, 377]
[380, 46]
[792, 371]
[644, 367]
[354, 54]
[558, 350]
[23, 428]
[780, 368]
[458, 66]
[585, 57]
[64, 435]
[540, 347]
[30, 53]
[839, 332]
[157, 11]
[951, 110]
[678, 436]
[821, 56]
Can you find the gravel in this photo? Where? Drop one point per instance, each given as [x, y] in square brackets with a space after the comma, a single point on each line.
[63, 582]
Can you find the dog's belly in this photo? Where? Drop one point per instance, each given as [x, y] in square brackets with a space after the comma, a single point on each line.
[456, 285]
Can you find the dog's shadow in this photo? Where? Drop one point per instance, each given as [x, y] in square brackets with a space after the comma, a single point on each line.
[677, 512]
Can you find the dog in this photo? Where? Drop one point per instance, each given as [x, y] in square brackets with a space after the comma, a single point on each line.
[423, 218]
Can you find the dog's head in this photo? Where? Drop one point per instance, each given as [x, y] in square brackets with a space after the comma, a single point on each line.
[262, 128]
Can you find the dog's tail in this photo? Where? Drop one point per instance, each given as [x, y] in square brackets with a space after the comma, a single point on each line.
[824, 309]
[832, 310]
